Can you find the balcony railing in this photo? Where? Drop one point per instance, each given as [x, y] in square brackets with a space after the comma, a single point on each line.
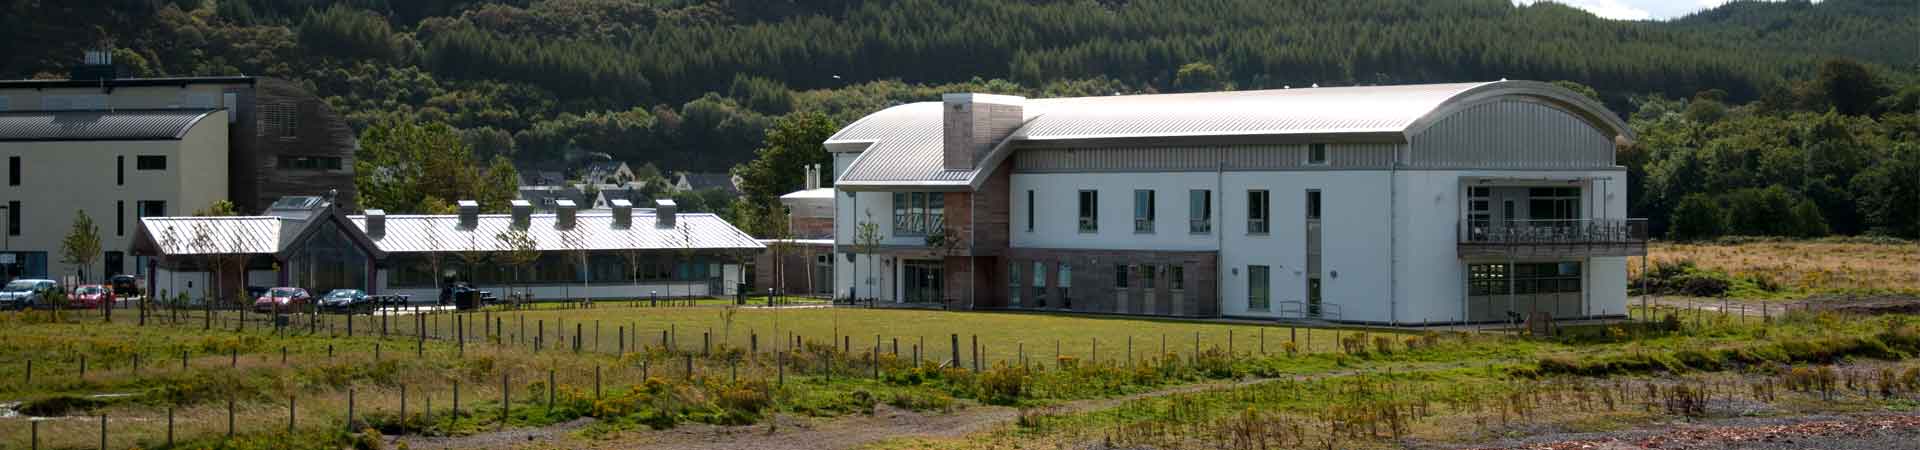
[1200, 225]
[1554, 232]
[1143, 225]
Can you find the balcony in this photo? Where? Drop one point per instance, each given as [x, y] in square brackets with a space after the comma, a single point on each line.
[1520, 239]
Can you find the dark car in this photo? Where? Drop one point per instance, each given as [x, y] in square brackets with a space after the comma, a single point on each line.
[347, 300]
[125, 286]
[283, 299]
[464, 296]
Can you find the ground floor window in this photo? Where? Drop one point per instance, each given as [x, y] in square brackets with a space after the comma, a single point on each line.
[1013, 284]
[1039, 284]
[1066, 286]
[1523, 278]
[1176, 277]
[1259, 288]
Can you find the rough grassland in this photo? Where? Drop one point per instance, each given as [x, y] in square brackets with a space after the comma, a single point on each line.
[1805, 267]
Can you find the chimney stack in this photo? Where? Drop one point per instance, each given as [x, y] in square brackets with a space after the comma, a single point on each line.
[663, 212]
[522, 214]
[622, 213]
[563, 214]
[469, 214]
[971, 124]
[376, 223]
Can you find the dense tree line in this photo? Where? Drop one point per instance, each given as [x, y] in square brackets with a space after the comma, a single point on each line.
[1839, 153]
[1724, 98]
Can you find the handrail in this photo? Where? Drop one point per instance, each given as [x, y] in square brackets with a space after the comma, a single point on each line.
[1553, 231]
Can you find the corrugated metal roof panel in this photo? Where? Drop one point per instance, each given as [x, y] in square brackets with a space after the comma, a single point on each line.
[151, 124]
[215, 235]
[424, 233]
[906, 144]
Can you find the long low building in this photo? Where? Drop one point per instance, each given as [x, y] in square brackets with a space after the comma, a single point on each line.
[1441, 203]
[309, 242]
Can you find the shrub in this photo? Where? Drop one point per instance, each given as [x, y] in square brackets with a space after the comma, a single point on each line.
[1003, 384]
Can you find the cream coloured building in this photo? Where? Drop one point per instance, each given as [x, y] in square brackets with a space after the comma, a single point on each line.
[116, 166]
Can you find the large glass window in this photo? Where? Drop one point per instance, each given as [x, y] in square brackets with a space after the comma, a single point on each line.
[1143, 210]
[918, 213]
[1147, 276]
[1013, 284]
[1176, 277]
[1200, 211]
[1259, 292]
[1089, 211]
[1527, 278]
[1120, 276]
[1258, 210]
[1039, 284]
[1313, 204]
[1562, 203]
[1066, 285]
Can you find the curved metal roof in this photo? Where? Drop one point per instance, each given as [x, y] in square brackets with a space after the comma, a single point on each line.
[901, 146]
[122, 125]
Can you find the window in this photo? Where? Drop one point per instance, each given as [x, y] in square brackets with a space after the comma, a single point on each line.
[1313, 204]
[1089, 211]
[1526, 278]
[1029, 210]
[280, 120]
[13, 218]
[1143, 210]
[1039, 284]
[1066, 285]
[150, 209]
[1013, 283]
[1200, 211]
[1257, 212]
[1120, 276]
[918, 213]
[120, 218]
[1259, 294]
[116, 263]
[1176, 277]
[120, 170]
[1553, 204]
[150, 162]
[13, 171]
[1146, 276]
[1316, 154]
[310, 162]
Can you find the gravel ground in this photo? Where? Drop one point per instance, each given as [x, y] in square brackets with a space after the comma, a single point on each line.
[1862, 432]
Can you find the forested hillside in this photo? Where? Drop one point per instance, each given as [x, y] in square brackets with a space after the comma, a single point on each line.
[695, 84]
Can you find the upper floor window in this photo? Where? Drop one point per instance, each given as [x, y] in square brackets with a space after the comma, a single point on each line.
[1089, 211]
[281, 120]
[1258, 211]
[1143, 210]
[1029, 210]
[150, 162]
[1200, 211]
[1317, 154]
[918, 213]
[1313, 204]
[13, 171]
[311, 162]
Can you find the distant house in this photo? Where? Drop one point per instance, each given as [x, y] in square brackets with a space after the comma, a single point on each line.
[687, 181]
[606, 172]
[542, 178]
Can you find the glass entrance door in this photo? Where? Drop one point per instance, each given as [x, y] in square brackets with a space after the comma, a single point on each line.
[923, 281]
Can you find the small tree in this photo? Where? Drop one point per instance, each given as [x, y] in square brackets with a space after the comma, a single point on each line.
[473, 257]
[947, 242]
[522, 252]
[82, 244]
[867, 241]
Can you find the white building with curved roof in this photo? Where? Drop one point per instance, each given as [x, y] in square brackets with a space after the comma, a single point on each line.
[1439, 203]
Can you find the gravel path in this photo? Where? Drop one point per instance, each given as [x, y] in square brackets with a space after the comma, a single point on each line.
[1863, 432]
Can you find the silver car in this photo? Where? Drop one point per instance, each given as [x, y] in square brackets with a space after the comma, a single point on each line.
[28, 293]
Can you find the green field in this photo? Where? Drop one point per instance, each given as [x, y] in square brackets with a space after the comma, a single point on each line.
[710, 369]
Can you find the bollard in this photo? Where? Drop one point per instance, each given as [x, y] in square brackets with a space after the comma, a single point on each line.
[290, 413]
[506, 403]
[706, 343]
[550, 389]
[103, 432]
[955, 347]
[596, 382]
[349, 410]
[35, 439]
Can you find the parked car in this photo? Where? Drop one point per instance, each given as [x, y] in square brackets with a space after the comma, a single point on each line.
[347, 300]
[125, 286]
[28, 293]
[90, 296]
[282, 299]
[464, 296]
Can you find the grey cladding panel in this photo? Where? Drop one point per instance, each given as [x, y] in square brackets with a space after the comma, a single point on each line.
[1239, 157]
[1512, 134]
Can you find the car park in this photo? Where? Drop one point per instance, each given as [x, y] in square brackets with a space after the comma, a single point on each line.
[90, 296]
[282, 299]
[28, 293]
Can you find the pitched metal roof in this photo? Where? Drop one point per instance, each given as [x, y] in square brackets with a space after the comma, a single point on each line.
[122, 125]
[593, 231]
[215, 235]
[902, 146]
